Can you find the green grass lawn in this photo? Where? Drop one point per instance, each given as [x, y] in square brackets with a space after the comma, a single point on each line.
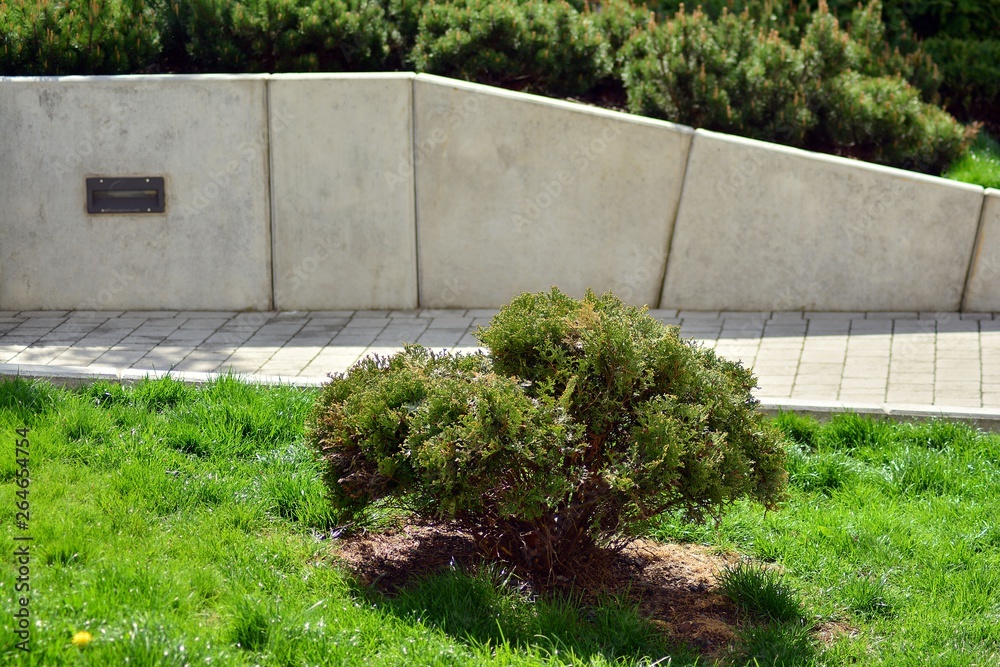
[188, 526]
[981, 165]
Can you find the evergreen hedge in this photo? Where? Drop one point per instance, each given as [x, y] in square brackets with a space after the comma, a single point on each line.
[777, 70]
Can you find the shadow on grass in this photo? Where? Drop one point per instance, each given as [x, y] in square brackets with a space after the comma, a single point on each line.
[648, 609]
[483, 608]
[657, 602]
[776, 645]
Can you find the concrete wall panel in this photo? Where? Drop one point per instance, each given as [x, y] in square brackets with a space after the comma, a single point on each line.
[342, 177]
[766, 227]
[983, 291]
[206, 135]
[519, 193]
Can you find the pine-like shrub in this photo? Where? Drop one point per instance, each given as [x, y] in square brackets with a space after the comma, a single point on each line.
[971, 77]
[928, 18]
[726, 75]
[275, 35]
[956, 37]
[883, 120]
[404, 15]
[541, 46]
[962, 19]
[587, 419]
[619, 21]
[76, 37]
[872, 54]
[840, 91]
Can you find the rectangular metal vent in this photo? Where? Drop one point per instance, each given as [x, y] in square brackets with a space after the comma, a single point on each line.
[125, 195]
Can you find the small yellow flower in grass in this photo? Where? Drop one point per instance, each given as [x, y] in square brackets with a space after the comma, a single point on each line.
[82, 638]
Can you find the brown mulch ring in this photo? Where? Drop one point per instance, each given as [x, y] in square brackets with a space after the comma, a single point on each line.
[673, 584]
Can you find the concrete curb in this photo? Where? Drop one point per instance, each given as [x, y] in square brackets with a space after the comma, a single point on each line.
[987, 419]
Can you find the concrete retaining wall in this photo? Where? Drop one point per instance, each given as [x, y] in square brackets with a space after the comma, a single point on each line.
[766, 227]
[379, 191]
[206, 135]
[519, 193]
[982, 293]
[342, 190]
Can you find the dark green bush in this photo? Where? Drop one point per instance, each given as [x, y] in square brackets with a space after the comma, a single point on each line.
[959, 38]
[405, 17]
[737, 73]
[587, 419]
[76, 37]
[275, 35]
[725, 75]
[971, 73]
[871, 54]
[536, 45]
[840, 91]
[928, 18]
[788, 17]
[619, 21]
[883, 120]
[946, 18]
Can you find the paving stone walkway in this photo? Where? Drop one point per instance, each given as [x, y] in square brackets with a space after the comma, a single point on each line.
[876, 357]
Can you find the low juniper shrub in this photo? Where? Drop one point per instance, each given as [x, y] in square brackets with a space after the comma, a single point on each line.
[587, 418]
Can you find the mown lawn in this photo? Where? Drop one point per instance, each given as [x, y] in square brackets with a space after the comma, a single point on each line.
[188, 526]
[981, 165]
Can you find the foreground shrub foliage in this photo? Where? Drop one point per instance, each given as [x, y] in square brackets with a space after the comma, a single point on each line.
[587, 419]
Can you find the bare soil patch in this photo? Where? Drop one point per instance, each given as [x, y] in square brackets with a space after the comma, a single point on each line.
[673, 584]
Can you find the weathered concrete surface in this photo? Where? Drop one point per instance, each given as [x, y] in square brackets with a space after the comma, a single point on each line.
[519, 193]
[983, 290]
[766, 227]
[342, 179]
[205, 134]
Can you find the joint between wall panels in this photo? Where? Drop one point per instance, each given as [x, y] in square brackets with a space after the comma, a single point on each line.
[269, 192]
[416, 207]
[970, 270]
[673, 221]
